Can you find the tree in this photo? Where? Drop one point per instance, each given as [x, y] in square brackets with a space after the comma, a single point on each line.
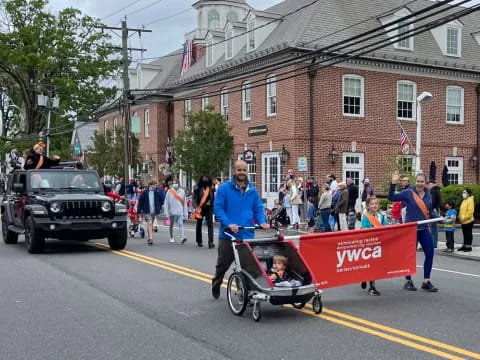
[205, 146]
[61, 54]
[107, 153]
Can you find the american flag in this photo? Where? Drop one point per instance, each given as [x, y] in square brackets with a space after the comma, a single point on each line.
[187, 56]
[404, 141]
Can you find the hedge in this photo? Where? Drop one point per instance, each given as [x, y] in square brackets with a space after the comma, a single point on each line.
[453, 195]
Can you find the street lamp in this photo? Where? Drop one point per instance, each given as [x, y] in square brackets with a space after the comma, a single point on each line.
[284, 154]
[333, 155]
[421, 99]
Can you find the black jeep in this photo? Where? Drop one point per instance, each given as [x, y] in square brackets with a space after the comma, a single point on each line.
[60, 203]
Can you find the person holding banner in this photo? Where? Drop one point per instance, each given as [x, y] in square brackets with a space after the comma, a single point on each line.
[372, 219]
[418, 207]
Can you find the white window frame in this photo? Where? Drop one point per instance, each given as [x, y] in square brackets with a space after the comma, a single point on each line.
[409, 40]
[271, 95]
[458, 29]
[204, 102]
[229, 44]
[246, 101]
[400, 160]
[251, 36]
[146, 119]
[414, 99]
[105, 127]
[210, 19]
[209, 51]
[362, 95]
[187, 107]
[224, 103]
[456, 170]
[462, 104]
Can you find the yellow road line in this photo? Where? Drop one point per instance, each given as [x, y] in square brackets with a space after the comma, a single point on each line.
[198, 275]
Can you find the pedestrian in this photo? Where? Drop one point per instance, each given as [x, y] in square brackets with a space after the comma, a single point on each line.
[120, 188]
[325, 208]
[396, 212]
[450, 217]
[218, 182]
[372, 219]
[332, 183]
[352, 200]
[131, 187]
[149, 205]
[405, 184]
[419, 207]
[467, 208]
[435, 193]
[238, 204]
[311, 211]
[176, 209]
[367, 192]
[313, 190]
[203, 198]
[341, 207]
[295, 201]
[37, 160]
[289, 175]
[286, 202]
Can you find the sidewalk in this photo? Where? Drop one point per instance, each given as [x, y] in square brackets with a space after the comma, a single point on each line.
[472, 255]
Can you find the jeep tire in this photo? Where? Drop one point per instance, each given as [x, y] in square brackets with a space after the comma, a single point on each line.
[34, 238]
[118, 240]
[9, 237]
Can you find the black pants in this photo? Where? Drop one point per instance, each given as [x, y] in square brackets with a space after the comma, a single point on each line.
[207, 213]
[467, 230]
[224, 260]
[450, 235]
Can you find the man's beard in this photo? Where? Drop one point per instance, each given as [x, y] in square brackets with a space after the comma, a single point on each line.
[241, 178]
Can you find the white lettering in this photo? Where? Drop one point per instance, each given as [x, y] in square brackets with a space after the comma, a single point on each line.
[355, 254]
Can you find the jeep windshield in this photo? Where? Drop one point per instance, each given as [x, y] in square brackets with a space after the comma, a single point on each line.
[64, 181]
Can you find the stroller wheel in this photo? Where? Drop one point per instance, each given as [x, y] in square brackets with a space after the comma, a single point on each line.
[257, 313]
[317, 304]
[237, 294]
[299, 305]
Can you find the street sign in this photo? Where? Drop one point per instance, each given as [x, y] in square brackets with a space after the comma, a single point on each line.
[302, 164]
[77, 148]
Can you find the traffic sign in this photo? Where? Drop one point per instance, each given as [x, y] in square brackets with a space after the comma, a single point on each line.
[302, 164]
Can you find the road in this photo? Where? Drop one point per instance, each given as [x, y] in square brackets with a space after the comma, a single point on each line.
[82, 301]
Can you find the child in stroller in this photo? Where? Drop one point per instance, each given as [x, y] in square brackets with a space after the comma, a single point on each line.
[135, 226]
[280, 274]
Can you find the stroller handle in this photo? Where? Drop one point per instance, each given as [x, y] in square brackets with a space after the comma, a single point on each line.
[227, 230]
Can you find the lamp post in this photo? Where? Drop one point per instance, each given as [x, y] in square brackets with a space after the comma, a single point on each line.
[421, 99]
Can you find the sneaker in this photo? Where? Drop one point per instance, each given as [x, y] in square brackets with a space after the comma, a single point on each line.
[184, 240]
[445, 250]
[467, 249]
[211, 245]
[461, 248]
[199, 244]
[363, 285]
[409, 286]
[449, 251]
[150, 242]
[172, 240]
[428, 286]
[373, 292]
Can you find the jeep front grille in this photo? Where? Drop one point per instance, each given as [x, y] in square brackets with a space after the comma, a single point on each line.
[82, 210]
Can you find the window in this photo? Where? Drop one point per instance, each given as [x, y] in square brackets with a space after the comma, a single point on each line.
[455, 170]
[232, 16]
[251, 36]
[209, 50]
[187, 107]
[353, 93]
[229, 45]
[453, 41]
[406, 164]
[204, 102]
[403, 29]
[271, 95]
[105, 127]
[252, 169]
[246, 104]
[455, 103]
[224, 103]
[146, 116]
[213, 19]
[406, 100]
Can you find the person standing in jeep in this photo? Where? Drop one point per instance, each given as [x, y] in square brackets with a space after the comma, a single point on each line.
[36, 159]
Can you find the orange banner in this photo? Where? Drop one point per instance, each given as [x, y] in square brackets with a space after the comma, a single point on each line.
[349, 257]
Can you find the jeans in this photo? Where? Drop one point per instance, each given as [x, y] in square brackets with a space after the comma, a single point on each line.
[467, 234]
[207, 213]
[179, 220]
[434, 229]
[324, 215]
[425, 239]
[450, 235]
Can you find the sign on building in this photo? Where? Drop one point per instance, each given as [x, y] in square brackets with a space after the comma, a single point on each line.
[302, 164]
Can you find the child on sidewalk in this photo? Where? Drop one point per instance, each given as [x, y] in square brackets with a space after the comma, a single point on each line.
[450, 217]
[311, 212]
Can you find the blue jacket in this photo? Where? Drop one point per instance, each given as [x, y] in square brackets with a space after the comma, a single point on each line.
[413, 211]
[161, 192]
[234, 207]
[144, 202]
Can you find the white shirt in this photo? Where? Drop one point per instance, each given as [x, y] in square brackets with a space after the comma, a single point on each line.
[333, 186]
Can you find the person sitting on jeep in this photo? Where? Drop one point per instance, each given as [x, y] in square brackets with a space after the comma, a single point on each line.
[36, 159]
[38, 182]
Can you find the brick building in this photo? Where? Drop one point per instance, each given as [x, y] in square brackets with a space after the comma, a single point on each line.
[346, 118]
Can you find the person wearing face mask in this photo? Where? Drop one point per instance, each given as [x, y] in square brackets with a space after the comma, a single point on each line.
[36, 159]
[149, 205]
[176, 209]
[203, 196]
[467, 208]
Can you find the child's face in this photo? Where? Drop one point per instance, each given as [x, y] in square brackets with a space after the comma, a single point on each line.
[278, 265]
[373, 206]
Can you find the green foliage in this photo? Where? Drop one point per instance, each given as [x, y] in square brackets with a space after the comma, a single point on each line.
[383, 203]
[392, 163]
[452, 194]
[107, 154]
[205, 146]
[63, 54]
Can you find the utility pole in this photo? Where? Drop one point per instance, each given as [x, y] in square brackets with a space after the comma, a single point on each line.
[126, 91]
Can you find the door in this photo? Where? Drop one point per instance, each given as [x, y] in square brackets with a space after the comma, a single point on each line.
[271, 177]
[353, 167]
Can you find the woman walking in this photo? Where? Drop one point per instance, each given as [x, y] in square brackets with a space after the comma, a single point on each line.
[467, 208]
[203, 196]
[176, 209]
[418, 207]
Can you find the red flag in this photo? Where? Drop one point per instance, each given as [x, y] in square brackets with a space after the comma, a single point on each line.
[187, 56]
[404, 141]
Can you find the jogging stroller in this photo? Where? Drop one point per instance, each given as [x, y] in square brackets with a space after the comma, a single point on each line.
[278, 216]
[135, 226]
[249, 283]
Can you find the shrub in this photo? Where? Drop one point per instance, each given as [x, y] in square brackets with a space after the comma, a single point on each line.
[453, 195]
[383, 203]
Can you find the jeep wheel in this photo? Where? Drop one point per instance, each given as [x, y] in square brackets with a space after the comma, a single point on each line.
[9, 237]
[34, 239]
[118, 240]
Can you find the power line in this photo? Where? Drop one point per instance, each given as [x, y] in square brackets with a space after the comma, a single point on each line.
[143, 8]
[124, 8]
[169, 17]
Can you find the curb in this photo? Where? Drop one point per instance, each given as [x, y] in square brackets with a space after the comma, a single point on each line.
[440, 252]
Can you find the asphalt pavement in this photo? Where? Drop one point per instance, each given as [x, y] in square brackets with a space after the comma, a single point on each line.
[81, 301]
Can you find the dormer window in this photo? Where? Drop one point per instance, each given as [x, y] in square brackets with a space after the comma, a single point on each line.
[453, 41]
[404, 28]
[251, 36]
[213, 19]
[228, 44]
[209, 51]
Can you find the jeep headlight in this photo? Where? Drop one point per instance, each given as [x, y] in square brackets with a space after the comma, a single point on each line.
[106, 206]
[55, 207]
